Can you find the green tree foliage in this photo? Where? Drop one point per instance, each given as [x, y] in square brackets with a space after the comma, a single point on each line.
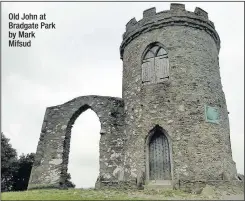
[15, 173]
[22, 175]
[8, 164]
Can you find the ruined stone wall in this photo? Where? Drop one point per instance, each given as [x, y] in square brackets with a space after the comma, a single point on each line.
[200, 150]
[50, 166]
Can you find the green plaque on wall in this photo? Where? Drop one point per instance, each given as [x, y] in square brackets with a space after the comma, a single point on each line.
[211, 114]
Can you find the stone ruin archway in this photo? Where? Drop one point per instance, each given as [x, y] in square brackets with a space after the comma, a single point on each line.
[68, 134]
[51, 161]
[83, 164]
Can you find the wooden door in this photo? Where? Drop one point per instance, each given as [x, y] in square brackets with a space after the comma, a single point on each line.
[159, 157]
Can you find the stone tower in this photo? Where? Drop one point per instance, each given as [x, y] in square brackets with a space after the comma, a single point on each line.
[176, 119]
[171, 125]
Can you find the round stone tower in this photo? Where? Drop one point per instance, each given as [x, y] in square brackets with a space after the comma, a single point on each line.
[176, 118]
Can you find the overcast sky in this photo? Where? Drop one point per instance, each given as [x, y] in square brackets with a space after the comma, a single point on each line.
[81, 57]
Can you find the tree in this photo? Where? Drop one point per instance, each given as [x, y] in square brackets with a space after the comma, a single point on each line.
[8, 164]
[22, 175]
[15, 173]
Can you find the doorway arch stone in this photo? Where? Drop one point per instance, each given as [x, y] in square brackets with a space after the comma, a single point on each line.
[51, 161]
[148, 139]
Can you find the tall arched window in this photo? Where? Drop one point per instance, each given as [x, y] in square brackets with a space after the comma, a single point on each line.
[155, 65]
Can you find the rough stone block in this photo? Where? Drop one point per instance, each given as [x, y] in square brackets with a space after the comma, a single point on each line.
[131, 24]
[149, 12]
[177, 7]
[201, 12]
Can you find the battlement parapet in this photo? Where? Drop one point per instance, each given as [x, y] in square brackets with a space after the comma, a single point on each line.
[177, 7]
[176, 16]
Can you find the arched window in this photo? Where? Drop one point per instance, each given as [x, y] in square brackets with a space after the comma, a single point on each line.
[155, 65]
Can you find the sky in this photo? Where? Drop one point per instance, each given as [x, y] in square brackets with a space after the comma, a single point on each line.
[81, 57]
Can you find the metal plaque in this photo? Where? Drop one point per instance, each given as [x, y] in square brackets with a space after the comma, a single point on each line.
[211, 114]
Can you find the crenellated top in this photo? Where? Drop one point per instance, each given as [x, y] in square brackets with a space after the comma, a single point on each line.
[176, 16]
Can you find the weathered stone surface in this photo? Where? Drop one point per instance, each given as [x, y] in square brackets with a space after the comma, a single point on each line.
[199, 151]
[53, 148]
[177, 16]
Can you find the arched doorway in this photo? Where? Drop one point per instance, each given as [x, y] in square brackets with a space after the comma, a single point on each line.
[66, 152]
[158, 155]
[83, 164]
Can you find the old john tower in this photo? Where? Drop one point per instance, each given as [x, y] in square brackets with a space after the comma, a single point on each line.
[171, 125]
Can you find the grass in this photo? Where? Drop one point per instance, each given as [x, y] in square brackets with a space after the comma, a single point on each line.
[91, 194]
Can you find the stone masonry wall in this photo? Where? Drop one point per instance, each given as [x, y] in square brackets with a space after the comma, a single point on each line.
[200, 150]
[52, 155]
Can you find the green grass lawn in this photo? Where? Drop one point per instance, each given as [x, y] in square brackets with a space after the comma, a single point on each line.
[91, 194]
